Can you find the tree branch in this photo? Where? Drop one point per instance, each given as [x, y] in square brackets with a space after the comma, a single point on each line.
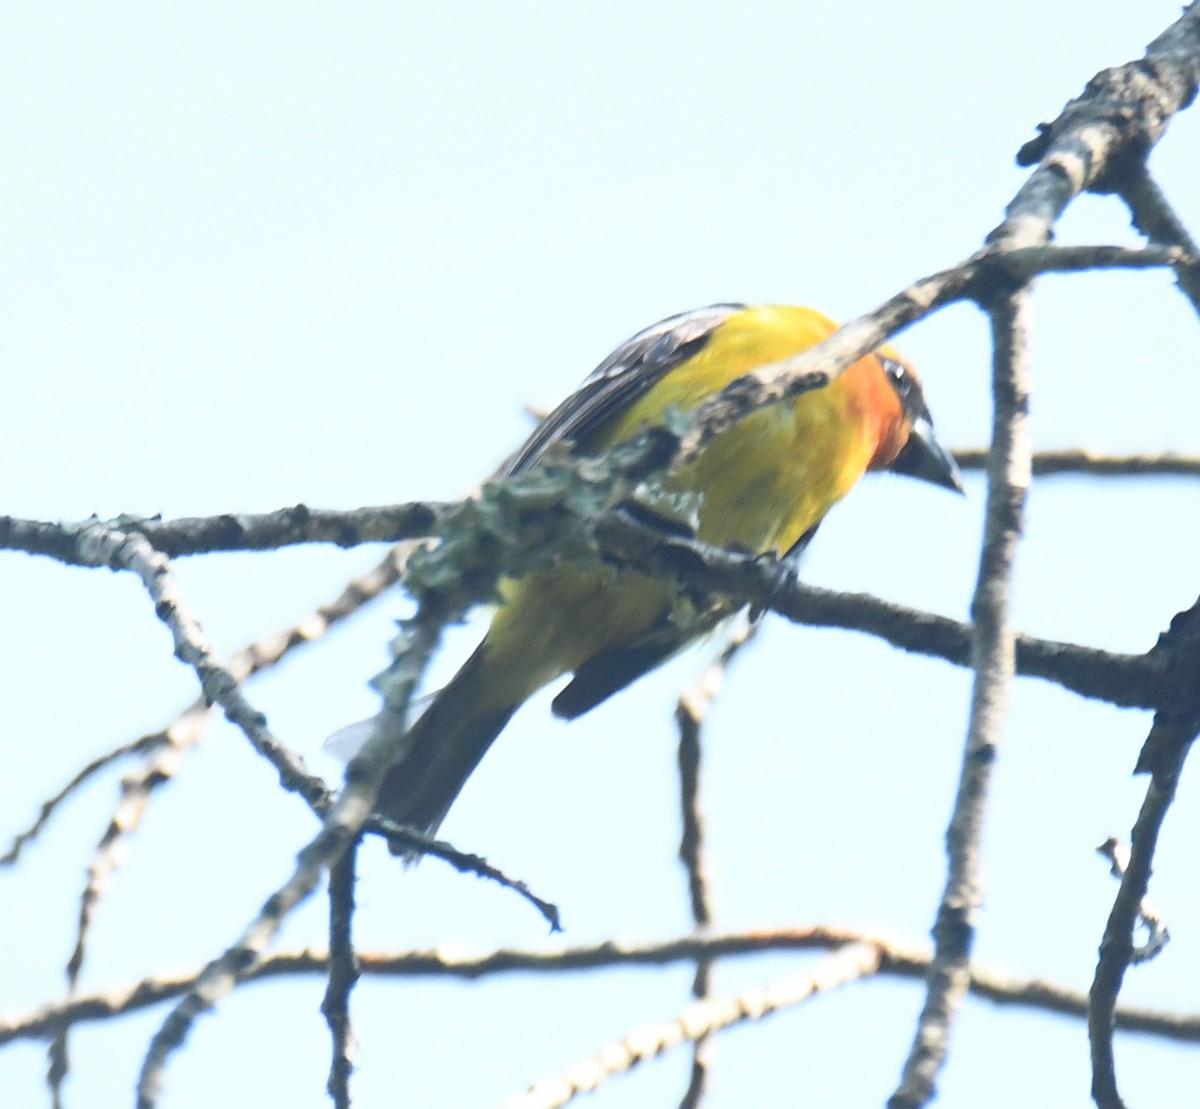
[1131, 681]
[1176, 725]
[994, 659]
[901, 959]
[698, 1021]
[1091, 464]
[342, 826]
[691, 712]
[1109, 128]
[1154, 217]
[343, 974]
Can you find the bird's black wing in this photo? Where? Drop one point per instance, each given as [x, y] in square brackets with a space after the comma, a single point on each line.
[624, 376]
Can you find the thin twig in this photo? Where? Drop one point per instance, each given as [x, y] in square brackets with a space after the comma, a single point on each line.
[78, 780]
[1091, 464]
[165, 748]
[691, 712]
[690, 715]
[1016, 251]
[700, 1019]
[993, 658]
[101, 546]
[409, 839]
[342, 826]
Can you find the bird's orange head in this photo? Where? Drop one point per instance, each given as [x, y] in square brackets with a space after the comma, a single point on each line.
[906, 441]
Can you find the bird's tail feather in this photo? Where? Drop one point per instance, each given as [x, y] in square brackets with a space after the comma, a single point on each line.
[441, 750]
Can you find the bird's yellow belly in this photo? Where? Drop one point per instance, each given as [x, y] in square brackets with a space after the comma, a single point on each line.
[768, 481]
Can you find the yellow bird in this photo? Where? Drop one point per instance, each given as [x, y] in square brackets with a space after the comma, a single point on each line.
[765, 485]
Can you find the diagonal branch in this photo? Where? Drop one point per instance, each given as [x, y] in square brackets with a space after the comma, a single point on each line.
[343, 824]
[97, 545]
[1109, 128]
[100, 546]
[164, 748]
[140, 746]
[699, 1021]
[1154, 217]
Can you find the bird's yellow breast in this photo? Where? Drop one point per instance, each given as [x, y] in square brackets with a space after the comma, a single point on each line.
[768, 480]
[764, 483]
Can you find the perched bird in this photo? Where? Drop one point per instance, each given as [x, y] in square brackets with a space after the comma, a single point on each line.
[765, 484]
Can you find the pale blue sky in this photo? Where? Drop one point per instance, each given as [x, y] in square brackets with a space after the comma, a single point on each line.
[263, 254]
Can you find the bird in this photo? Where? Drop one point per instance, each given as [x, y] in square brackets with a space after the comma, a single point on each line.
[763, 486]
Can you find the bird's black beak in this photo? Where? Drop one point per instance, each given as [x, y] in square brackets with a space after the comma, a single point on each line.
[925, 458]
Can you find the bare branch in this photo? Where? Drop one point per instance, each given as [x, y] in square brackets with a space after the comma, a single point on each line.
[1052, 463]
[994, 660]
[1176, 725]
[409, 839]
[690, 714]
[1158, 934]
[901, 959]
[1105, 131]
[1116, 948]
[698, 1020]
[84, 775]
[1028, 262]
[100, 546]
[233, 531]
[163, 751]
[343, 974]
[1132, 681]
[342, 826]
[1154, 217]
[395, 523]
[165, 746]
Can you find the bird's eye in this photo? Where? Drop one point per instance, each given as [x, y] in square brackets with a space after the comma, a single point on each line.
[900, 378]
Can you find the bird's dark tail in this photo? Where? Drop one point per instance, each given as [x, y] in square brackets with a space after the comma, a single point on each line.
[441, 750]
